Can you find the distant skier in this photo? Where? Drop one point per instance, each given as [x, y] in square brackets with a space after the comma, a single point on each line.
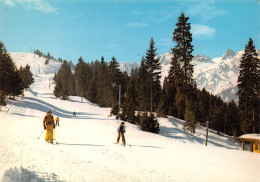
[74, 114]
[57, 121]
[121, 131]
[49, 125]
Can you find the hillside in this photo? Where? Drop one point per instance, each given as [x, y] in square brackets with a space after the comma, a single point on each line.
[86, 152]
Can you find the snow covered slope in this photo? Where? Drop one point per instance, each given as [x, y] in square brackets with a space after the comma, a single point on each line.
[86, 152]
[36, 63]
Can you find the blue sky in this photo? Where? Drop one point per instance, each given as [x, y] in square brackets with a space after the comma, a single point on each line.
[123, 28]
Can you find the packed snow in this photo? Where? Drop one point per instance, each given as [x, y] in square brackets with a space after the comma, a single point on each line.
[86, 152]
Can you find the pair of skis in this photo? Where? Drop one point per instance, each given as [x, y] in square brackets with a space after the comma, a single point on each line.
[48, 142]
[123, 144]
[54, 143]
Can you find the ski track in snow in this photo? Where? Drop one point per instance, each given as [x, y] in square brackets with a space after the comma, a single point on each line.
[86, 152]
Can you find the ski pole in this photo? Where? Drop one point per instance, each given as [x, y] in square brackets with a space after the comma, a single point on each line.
[41, 134]
[54, 137]
[54, 134]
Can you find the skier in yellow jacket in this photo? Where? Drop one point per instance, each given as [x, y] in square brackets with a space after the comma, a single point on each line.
[49, 125]
[57, 121]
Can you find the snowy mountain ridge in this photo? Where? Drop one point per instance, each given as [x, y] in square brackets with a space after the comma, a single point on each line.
[217, 75]
[127, 67]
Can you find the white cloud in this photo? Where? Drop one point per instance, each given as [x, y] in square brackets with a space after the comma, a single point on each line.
[9, 2]
[205, 11]
[136, 25]
[40, 5]
[202, 31]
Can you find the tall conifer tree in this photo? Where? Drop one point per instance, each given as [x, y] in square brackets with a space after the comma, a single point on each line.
[81, 77]
[154, 71]
[130, 102]
[66, 86]
[181, 73]
[249, 89]
[114, 80]
[143, 87]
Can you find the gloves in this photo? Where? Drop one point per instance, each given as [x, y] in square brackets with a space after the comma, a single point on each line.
[44, 127]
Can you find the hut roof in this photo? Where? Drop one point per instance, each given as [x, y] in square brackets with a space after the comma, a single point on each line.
[250, 138]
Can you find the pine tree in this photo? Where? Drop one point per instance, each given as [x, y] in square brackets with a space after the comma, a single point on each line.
[102, 82]
[217, 114]
[130, 103]
[58, 87]
[232, 119]
[181, 73]
[114, 80]
[190, 116]
[72, 85]
[149, 123]
[26, 76]
[203, 106]
[66, 79]
[143, 88]
[92, 90]
[16, 84]
[154, 71]
[249, 89]
[81, 77]
[10, 82]
[163, 107]
[183, 49]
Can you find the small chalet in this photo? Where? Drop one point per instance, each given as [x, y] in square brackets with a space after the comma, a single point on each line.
[252, 139]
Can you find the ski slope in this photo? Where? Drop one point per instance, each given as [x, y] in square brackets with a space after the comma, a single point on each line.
[86, 152]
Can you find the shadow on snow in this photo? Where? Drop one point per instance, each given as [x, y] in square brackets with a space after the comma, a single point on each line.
[40, 105]
[174, 132]
[75, 144]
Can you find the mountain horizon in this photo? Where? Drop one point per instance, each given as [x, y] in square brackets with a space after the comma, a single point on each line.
[217, 75]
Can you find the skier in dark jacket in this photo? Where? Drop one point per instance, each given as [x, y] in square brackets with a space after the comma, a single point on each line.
[121, 131]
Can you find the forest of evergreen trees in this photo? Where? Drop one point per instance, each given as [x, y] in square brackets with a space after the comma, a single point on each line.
[143, 98]
[13, 81]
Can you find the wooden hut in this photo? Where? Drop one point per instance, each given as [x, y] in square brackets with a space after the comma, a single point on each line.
[252, 139]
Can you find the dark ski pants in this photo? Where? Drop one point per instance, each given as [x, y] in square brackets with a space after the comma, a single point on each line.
[123, 137]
